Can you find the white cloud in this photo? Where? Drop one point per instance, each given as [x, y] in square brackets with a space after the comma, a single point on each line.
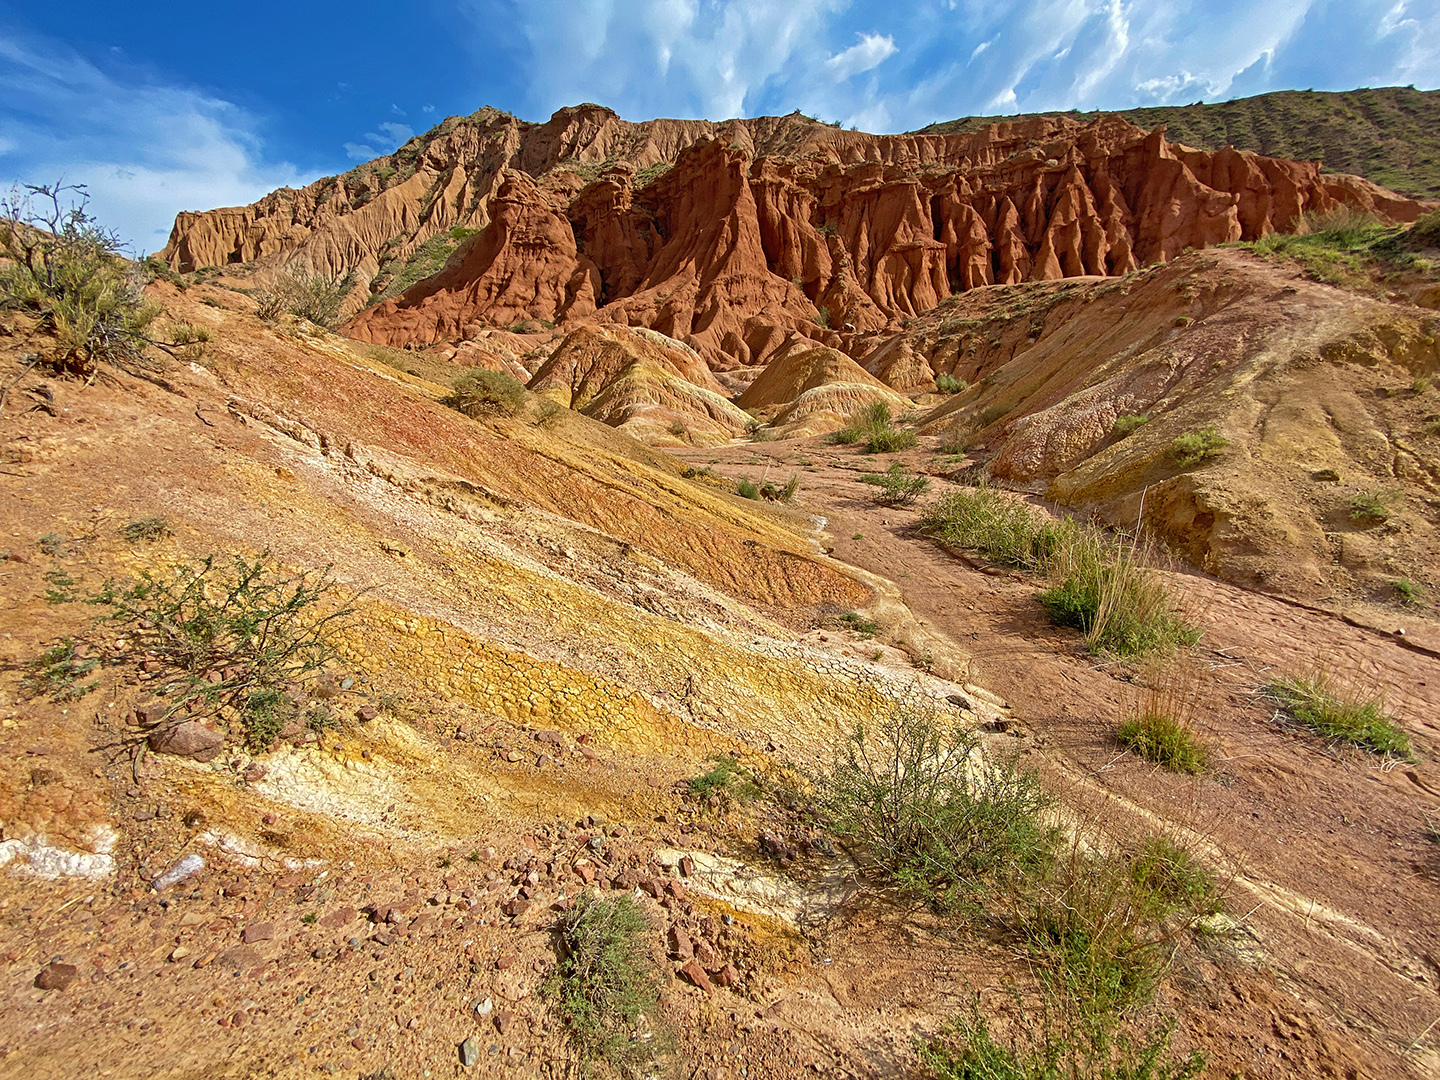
[870, 51]
[947, 58]
[145, 150]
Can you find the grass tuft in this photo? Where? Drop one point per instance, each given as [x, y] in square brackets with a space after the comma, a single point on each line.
[1361, 722]
[1166, 741]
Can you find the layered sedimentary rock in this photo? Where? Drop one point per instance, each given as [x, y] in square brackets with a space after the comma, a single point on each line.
[731, 236]
[642, 382]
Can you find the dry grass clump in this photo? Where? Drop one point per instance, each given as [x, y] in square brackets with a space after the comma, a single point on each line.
[480, 393]
[1101, 587]
[311, 297]
[1341, 716]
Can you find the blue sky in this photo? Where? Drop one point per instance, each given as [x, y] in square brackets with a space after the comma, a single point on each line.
[164, 107]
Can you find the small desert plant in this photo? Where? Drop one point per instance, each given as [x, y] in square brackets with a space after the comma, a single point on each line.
[727, 781]
[1352, 718]
[1056, 1044]
[888, 440]
[145, 530]
[791, 488]
[911, 794]
[1406, 591]
[1103, 925]
[230, 638]
[822, 317]
[1196, 446]
[60, 263]
[185, 333]
[1421, 385]
[988, 415]
[1128, 424]
[747, 488]
[481, 393]
[311, 297]
[900, 488]
[1426, 230]
[950, 384]
[997, 525]
[606, 987]
[549, 414]
[60, 671]
[678, 428]
[853, 620]
[1368, 509]
[1165, 740]
[1109, 595]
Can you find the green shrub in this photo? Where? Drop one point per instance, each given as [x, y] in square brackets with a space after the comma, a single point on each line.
[846, 436]
[912, 797]
[727, 781]
[1166, 741]
[1103, 925]
[480, 393]
[1358, 721]
[900, 488]
[889, 440]
[747, 488]
[791, 488]
[822, 317]
[1055, 1044]
[1196, 446]
[311, 297]
[1368, 509]
[1426, 231]
[606, 988]
[59, 672]
[950, 384]
[988, 415]
[1406, 591]
[59, 263]
[229, 638]
[145, 530]
[1128, 424]
[875, 415]
[857, 622]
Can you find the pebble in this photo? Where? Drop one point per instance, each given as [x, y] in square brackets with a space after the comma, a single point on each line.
[56, 976]
[470, 1051]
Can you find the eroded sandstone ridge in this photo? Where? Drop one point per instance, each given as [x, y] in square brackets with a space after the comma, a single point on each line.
[733, 237]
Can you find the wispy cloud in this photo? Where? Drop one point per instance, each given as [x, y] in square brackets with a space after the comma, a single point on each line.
[870, 51]
[387, 138]
[144, 149]
[870, 61]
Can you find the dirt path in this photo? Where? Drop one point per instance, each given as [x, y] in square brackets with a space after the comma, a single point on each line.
[1329, 847]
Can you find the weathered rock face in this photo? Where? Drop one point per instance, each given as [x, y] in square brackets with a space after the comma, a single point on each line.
[648, 385]
[759, 228]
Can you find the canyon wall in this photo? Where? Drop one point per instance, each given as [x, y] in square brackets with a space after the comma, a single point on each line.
[740, 236]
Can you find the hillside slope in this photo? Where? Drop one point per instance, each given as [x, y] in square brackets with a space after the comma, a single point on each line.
[1390, 135]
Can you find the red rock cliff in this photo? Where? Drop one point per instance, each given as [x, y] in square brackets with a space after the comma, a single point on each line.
[734, 236]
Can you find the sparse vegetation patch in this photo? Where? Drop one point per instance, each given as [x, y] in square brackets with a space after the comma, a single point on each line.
[606, 990]
[1354, 719]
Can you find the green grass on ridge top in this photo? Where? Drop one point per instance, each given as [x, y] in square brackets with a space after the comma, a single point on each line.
[1390, 135]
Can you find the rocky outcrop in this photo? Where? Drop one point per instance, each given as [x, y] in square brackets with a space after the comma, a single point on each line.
[731, 236]
[648, 385]
[819, 387]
